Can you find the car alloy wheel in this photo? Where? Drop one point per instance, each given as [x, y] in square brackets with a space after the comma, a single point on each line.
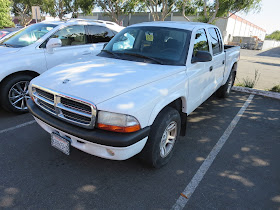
[18, 95]
[168, 139]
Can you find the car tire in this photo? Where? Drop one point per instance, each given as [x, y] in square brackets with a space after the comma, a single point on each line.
[14, 92]
[225, 90]
[162, 138]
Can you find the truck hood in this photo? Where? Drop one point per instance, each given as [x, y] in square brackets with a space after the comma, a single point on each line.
[7, 50]
[100, 79]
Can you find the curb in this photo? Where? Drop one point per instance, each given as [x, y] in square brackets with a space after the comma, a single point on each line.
[257, 92]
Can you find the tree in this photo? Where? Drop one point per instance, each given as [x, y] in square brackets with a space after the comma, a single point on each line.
[5, 17]
[61, 7]
[211, 10]
[116, 8]
[274, 36]
[23, 9]
[160, 9]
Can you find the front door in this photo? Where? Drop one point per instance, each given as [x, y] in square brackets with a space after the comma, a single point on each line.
[199, 74]
[74, 46]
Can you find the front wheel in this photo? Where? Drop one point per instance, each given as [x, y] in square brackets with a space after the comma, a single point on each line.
[224, 91]
[14, 92]
[162, 138]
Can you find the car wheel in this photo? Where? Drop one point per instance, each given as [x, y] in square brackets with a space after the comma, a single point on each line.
[162, 138]
[225, 90]
[14, 92]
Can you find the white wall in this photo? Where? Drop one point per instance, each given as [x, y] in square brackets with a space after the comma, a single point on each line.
[270, 44]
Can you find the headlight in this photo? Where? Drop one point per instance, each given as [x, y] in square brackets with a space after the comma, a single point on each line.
[117, 122]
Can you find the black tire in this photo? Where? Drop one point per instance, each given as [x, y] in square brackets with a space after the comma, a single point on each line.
[225, 90]
[6, 90]
[151, 153]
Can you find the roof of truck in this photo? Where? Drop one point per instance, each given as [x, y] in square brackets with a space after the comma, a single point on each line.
[174, 24]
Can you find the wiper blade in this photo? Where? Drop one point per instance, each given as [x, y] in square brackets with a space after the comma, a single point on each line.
[144, 56]
[109, 52]
[7, 45]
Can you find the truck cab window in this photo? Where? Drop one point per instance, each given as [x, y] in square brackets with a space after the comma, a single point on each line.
[200, 42]
[220, 40]
[215, 41]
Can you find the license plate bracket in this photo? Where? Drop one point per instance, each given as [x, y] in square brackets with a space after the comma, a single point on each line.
[60, 143]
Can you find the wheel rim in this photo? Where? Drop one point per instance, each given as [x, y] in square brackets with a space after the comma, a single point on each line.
[18, 95]
[230, 83]
[168, 139]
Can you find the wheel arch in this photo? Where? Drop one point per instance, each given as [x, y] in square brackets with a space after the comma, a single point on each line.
[23, 72]
[180, 104]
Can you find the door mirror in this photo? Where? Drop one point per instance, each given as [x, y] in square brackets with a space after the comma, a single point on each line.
[202, 56]
[53, 43]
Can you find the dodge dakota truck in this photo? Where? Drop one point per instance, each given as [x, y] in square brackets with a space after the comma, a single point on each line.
[135, 95]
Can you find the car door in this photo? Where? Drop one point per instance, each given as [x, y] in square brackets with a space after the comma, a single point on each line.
[74, 45]
[199, 74]
[97, 36]
[218, 61]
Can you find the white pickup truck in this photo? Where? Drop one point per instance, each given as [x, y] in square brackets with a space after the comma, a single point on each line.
[134, 97]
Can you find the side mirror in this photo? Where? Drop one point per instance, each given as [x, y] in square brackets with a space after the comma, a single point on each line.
[202, 56]
[104, 46]
[53, 43]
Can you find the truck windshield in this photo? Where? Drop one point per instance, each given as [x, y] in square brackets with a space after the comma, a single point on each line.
[168, 46]
[28, 35]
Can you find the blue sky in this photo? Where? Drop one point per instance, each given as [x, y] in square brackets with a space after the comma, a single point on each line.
[268, 18]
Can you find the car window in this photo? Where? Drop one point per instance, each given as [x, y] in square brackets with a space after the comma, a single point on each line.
[96, 34]
[71, 35]
[214, 41]
[167, 46]
[220, 40]
[126, 41]
[200, 42]
[28, 35]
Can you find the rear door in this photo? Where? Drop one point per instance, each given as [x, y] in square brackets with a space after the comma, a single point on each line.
[74, 45]
[218, 62]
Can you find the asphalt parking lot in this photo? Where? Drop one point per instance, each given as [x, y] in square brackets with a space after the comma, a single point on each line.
[245, 174]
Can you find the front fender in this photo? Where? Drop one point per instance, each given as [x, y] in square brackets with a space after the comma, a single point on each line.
[147, 101]
[26, 61]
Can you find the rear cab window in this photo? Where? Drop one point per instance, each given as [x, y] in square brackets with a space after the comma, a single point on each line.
[215, 40]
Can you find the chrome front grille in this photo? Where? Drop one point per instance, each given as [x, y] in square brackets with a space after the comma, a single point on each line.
[71, 109]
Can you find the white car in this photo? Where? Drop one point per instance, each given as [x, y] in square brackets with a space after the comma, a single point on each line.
[39, 47]
[136, 95]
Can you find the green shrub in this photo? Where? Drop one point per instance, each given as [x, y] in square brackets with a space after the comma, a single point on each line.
[276, 88]
[249, 83]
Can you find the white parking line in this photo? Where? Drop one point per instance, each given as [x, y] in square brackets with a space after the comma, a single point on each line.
[189, 190]
[17, 126]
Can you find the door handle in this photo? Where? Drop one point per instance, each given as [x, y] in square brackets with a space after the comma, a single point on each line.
[223, 62]
[211, 68]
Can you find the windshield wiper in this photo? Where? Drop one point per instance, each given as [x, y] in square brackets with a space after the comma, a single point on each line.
[7, 45]
[114, 54]
[144, 56]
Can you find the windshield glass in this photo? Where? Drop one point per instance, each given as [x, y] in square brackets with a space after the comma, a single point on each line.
[28, 35]
[151, 44]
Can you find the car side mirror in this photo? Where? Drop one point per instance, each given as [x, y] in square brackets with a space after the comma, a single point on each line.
[202, 56]
[53, 43]
[104, 46]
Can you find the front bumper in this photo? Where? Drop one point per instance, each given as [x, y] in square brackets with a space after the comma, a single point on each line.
[106, 144]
